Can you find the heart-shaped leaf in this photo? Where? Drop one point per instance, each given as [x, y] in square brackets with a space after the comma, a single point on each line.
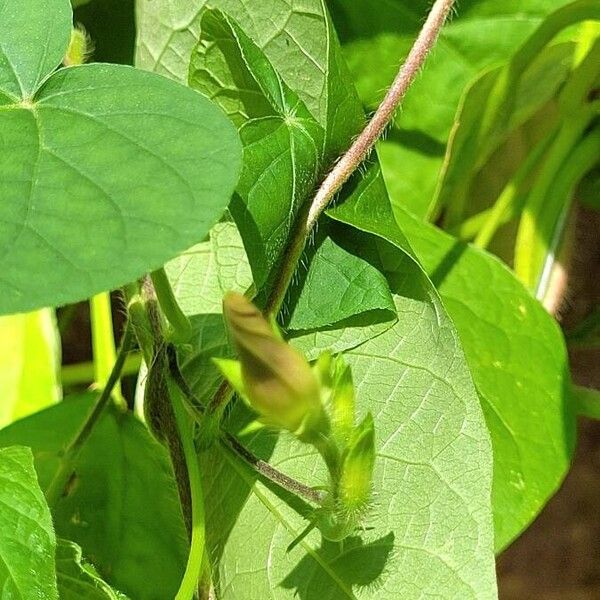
[106, 172]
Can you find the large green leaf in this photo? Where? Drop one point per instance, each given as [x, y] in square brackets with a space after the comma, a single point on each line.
[87, 154]
[202, 275]
[27, 541]
[29, 363]
[122, 506]
[481, 34]
[429, 530]
[517, 357]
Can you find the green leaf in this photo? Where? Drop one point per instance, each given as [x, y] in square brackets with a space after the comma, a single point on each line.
[476, 167]
[293, 38]
[202, 275]
[77, 579]
[334, 273]
[90, 150]
[27, 540]
[29, 363]
[281, 157]
[483, 33]
[517, 357]
[282, 141]
[121, 506]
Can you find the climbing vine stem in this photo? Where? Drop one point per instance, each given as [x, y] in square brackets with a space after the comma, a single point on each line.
[69, 457]
[360, 148]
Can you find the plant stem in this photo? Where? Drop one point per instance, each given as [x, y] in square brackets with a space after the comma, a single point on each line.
[69, 457]
[103, 342]
[182, 328]
[231, 443]
[586, 401]
[360, 149]
[193, 570]
[264, 469]
[582, 159]
[83, 373]
[534, 219]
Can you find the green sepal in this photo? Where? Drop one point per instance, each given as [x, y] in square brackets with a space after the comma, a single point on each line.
[336, 377]
[356, 478]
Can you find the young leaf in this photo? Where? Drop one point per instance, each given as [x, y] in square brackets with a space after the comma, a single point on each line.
[282, 141]
[87, 153]
[121, 505]
[27, 541]
[29, 364]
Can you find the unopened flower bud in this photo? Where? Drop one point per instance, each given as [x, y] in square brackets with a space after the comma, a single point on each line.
[80, 47]
[277, 380]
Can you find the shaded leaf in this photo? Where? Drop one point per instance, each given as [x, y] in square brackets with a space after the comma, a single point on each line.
[497, 156]
[121, 507]
[334, 273]
[77, 579]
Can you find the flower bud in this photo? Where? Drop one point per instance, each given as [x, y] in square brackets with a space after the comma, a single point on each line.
[80, 47]
[276, 379]
[357, 469]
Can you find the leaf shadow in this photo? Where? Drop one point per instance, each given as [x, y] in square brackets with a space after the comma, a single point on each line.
[353, 562]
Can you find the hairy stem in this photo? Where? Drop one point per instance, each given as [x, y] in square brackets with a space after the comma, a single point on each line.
[360, 149]
[67, 463]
